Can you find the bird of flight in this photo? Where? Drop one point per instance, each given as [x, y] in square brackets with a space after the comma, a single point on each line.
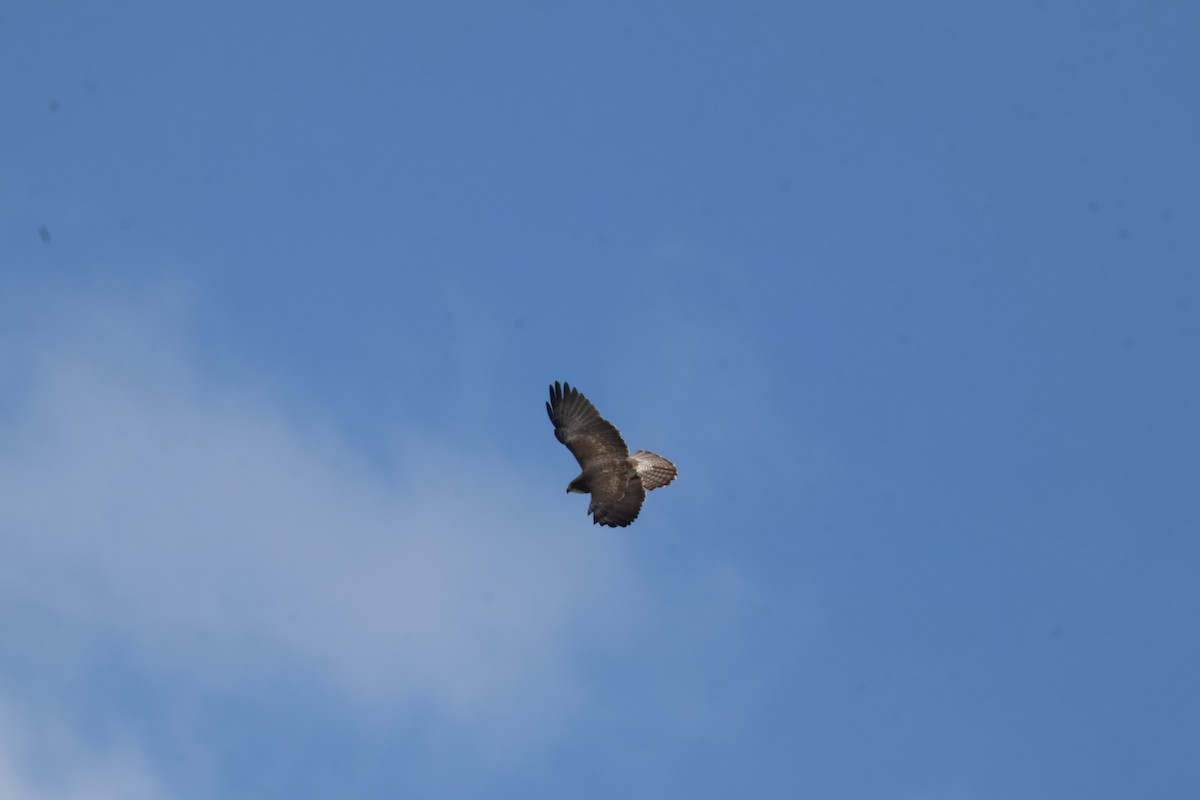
[616, 480]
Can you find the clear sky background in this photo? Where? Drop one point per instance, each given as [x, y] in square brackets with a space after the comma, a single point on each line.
[909, 292]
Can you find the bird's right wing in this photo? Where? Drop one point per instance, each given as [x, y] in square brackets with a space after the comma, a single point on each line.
[617, 498]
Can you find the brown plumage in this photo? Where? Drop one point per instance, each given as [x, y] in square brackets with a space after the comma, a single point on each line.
[616, 480]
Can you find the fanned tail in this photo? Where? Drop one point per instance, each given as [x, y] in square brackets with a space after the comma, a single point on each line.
[653, 469]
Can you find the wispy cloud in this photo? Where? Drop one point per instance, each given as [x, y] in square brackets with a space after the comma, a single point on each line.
[113, 774]
[203, 529]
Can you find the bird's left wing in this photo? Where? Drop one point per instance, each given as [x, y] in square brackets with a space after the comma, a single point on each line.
[579, 426]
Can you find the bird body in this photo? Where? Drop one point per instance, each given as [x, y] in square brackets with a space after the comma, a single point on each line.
[616, 480]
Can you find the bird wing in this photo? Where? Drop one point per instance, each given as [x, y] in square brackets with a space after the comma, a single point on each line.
[578, 425]
[617, 497]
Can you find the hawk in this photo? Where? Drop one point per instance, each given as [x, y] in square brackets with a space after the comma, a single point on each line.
[616, 480]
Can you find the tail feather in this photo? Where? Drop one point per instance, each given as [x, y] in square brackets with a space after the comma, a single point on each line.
[653, 469]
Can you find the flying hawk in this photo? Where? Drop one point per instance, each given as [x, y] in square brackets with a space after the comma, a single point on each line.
[616, 480]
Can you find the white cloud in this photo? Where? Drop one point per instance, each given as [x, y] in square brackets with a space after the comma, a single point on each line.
[210, 532]
[115, 774]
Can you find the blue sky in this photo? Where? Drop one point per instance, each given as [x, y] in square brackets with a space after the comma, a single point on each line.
[909, 292]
